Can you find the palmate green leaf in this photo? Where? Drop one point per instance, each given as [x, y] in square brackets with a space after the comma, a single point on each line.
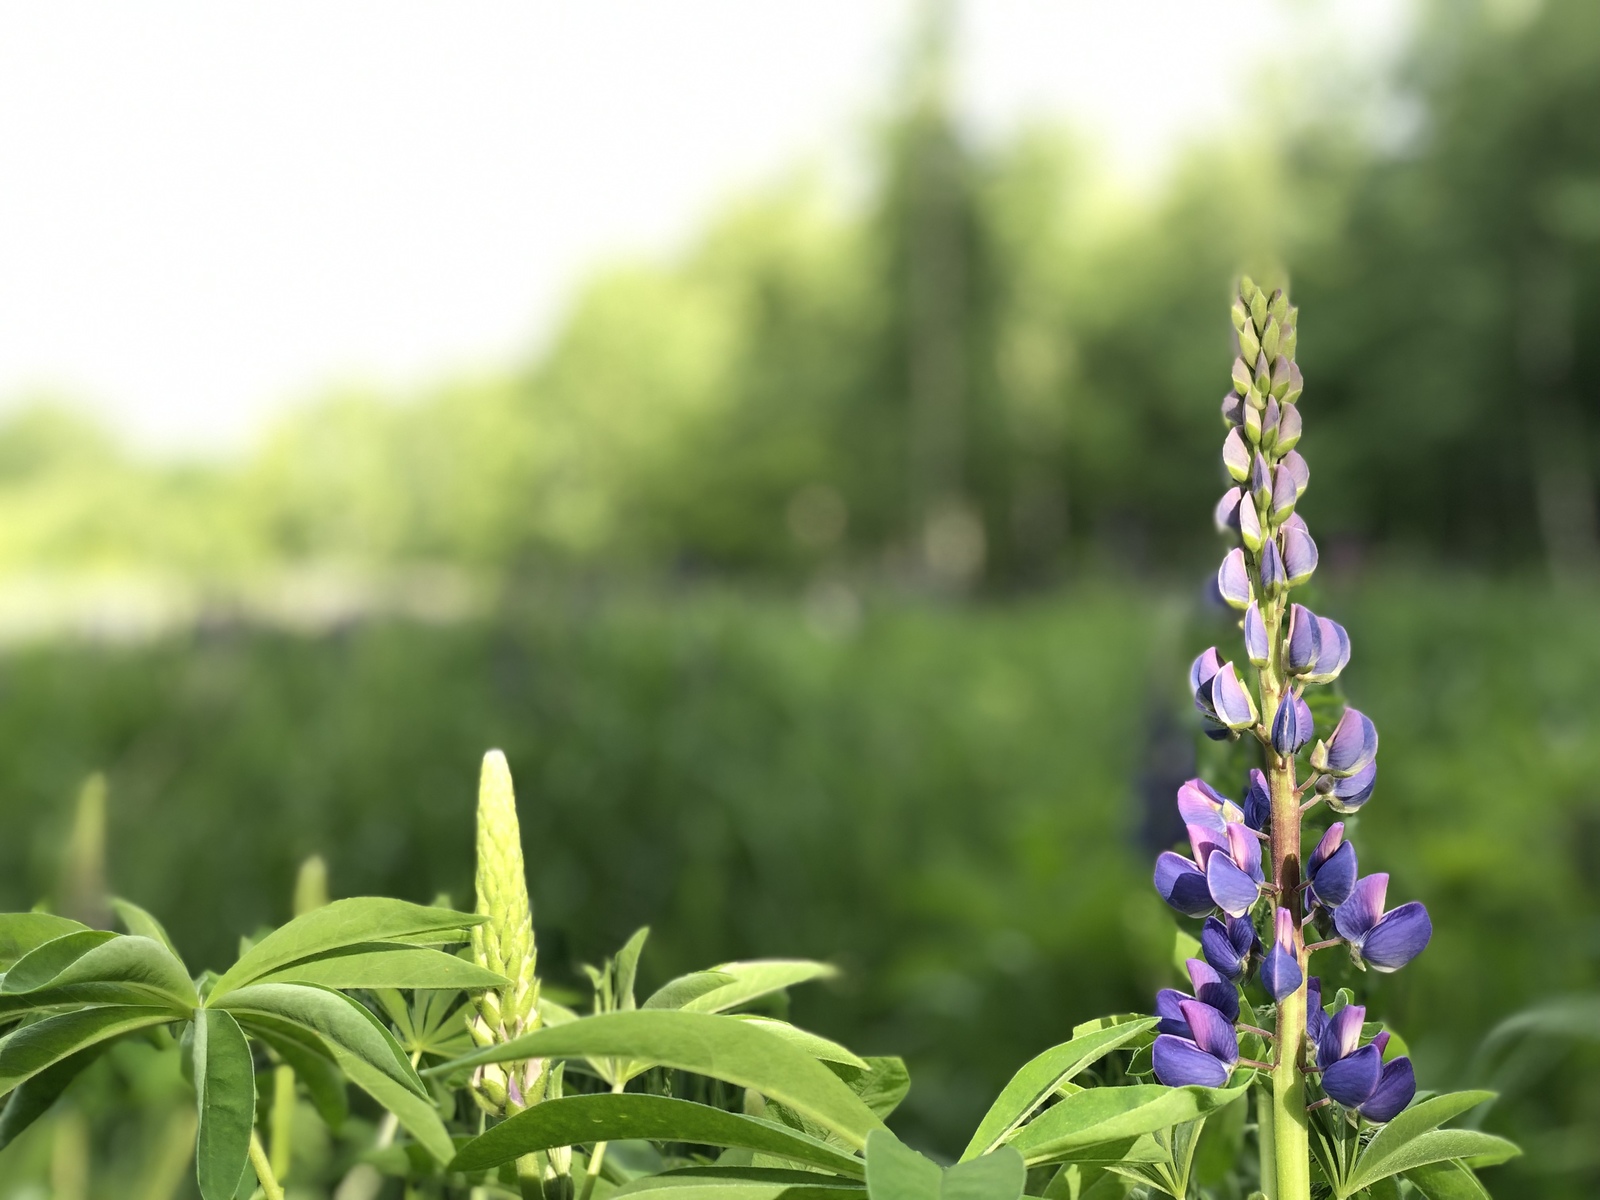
[897, 1172]
[416, 1114]
[22, 932]
[743, 1183]
[32, 1049]
[1438, 1146]
[1410, 1124]
[31, 1099]
[813, 1044]
[407, 967]
[883, 1085]
[1039, 1078]
[313, 1065]
[80, 965]
[676, 993]
[225, 1092]
[1086, 1181]
[610, 1117]
[337, 1020]
[1447, 1181]
[722, 1047]
[353, 922]
[135, 920]
[752, 980]
[1109, 1114]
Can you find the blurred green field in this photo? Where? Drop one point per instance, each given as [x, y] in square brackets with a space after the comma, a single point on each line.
[956, 804]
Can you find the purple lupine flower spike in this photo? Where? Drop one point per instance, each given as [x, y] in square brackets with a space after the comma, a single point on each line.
[1258, 802]
[1305, 639]
[1352, 745]
[1280, 969]
[1333, 653]
[1233, 579]
[1385, 941]
[1274, 572]
[1256, 647]
[1291, 725]
[1299, 553]
[1228, 945]
[1350, 794]
[1331, 869]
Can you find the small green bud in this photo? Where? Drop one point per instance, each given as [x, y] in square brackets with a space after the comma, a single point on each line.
[1263, 377]
[1241, 376]
[1279, 305]
[1288, 340]
[1252, 422]
[1319, 756]
[1258, 308]
[1296, 385]
[1270, 337]
[1240, 314]
[1249, 344]
[1247, 289]
[1288, 435]
[1280, 377]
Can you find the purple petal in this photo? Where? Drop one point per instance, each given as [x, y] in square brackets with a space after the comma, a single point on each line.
[1212, 1031]
[1233, 891]
[1233, 579]
[1351, 1081]
[1291, 726]
[1167, 1002]
[1207, 664]
[1232, 702]
[1305, 639]
[1296, 522]
[1333, 880]
[1288, 427]
[1294, 466]
[1274, 578]
[1226, 513]
[1233, 409]
[1353, 744]
[1397, 1087]
[1245, 850]
[1256, 647]
[1299, 554]
[1357, 915]
[1258, 802]
[1242, 933]
[1350, 794]
[1260, 480]
[1250, 526]
[1224, 955]
[1205, 841]
[1381, 1041]
[1334, 653]
[1343, 1034]
[1398, 937]
[1316, 1018]
[1179, 1062]
[1269, 423]
[1329, 842]
[1280, 973]
[1211, 988]
[1284, 493]
[1201, 804]
[1236, 455]
[1181, 884]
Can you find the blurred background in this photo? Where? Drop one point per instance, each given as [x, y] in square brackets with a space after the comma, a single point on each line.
[790, 431]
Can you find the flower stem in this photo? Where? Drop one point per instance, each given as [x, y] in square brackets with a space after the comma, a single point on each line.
[270, 1187]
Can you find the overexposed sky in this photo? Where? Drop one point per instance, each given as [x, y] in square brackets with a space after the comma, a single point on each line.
[210, 211]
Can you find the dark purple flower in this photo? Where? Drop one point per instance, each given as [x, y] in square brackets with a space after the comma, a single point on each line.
[1211, 987]
[1333, 652]
[1350, 794]
[1274, 576]
[1258, 802]
[1233, 579]
[1234, 876]
[1256, 647]
[1331, 869]
[1305, 639]
[1291, 725]
[1288, 427]
[1299, 553]
[1316, 1018]
[1182, 885]
[1356, 1075]
[1397, 1087]
[1280, 969]
[1206, 1057]
[1236, 455]
[1385, 941]
[1228, 945]
[1352, 745]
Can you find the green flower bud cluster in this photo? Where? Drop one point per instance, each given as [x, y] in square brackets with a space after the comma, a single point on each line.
[504, 944]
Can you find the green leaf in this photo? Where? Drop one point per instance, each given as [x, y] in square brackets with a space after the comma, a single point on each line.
[1413, 1122]
[225, 1091]
[313, 1066]
[135, 920]
[407, 967]
[1447, 1181]
[727, 1048]
[1108, 1114]
[883, 1085]
[752, 980]
[416, 1114]
[1424, 1149]
[675, 993]
[813, 1044]
[996, 1176]
[578, 1120]
[33, 1098]
[32, 1049]
[22, 932]
[626, 967]
[743, 1183]
[897, 1172]
[79, 965]
[335, 1018]
[1039, 1078]
[352, 922]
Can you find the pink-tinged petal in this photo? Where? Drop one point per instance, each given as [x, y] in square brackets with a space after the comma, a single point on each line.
[1355, 918]
[1245, 850]
[1351, 1081]
[1212, 1031]
[1350, 794]
[1233, 579]
[1295, 467]
[1256, 647]
[1182, 885]
[1179, 1062]
[1269, 424]
[1230, 699]
[1305, 639]
[1326, 845]
[1381, 1041]
[1398, 937]
[1296, 522]
[1211, 988]
[1233, 891]
[1280, 969]
[1353, 743]
[1299, 554]
[1236, 455]
[1205, 841]
[1201, 804]
[1397, 1087]
[1343, 1034]
[1333, 880]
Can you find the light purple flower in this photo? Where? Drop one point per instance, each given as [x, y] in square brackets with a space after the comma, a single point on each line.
[1351, 793]
[1234, 876]
[1294, 465]
[1236, 514]
[1230, 699]
[1233, 579]
[1232, 409]
[1256, 647]
[1351, 746]
[1280, 969]
[1274, 576]
[1260, 480]
[1305, 639]
[1236, 455]
[1299, 553]
[1284, 494]
[1385, 941]
[1333, 652]
[1288, 427]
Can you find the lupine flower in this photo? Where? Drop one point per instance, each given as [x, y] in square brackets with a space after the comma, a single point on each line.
[1284, 493]
[1233, 579]
[1225, 872]
[1291, 726]
[1280, 969]
[1295, 467]
[1201, 804]
[1229, 945]
[1288, 427]
[1236, 455]
[1236, 513]
[1258, 802]
[1226, 700]
[1206, 1057]
[1256, 648]
[1182, 884]
[1210, 987]
[1260, 481]
[1299, 553]
[1333, 652]
[1355, 1075]
[1352, 745]
[1350, 794]
[1385, 941]
[1331, 869]
[1274, 574]
[1305, 639]
[1201, 672]
[1269, 425]
[1235, 878]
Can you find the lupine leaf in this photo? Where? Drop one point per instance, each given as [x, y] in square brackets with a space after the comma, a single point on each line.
[352, 922]
[335, 1018]
[1447, 1181]
[22, 932]
[897, 1172]
[1108, 1114]
[1039, 1078]
[752, 980]
[675, 993]
[31, 1049]
[883, 1086]
[80, 963]
[727, 1048]
[416, 1114]
[135, 920]
[576, 1120]
[998, 1175]
[1438, 1146]
[813, 1044]
[743, 1183]
[1413, 1122]
[408, 967]
[31, 1099]
[626, 967]
[312, 1062]
[225, 1091]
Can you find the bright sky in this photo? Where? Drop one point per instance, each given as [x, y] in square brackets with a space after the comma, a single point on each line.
[208, 211]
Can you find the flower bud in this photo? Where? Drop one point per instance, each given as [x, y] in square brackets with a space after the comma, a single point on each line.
[1348, 795]
[1252, 420]
[1231, 699]
[1256, 647]
[1305, 639]
[1288, 428]
[1291, 726]
[1233, 579]
[1299, 554]
[1333, 652]
[1205, 665]
[1262, 380]
[1278, 307]
[1269, 425]
[1271, 338]
[1296, 385]
[1352, 745]
[1236, 456]
[1274, 578]
[1289, 339]
[1240, 314]
[1241, 376]
[1260, 481]
[1247, 289]
[1249, 344]
[1284, 494]
[1232, 410]
[1236, 513]
[1280, 969]
[1294, 463]
[1281, 372]
[1258, 308]
[1258, 801]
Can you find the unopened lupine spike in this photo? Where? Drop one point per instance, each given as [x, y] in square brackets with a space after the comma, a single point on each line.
[1233, 579]
[1299, 553]
[1275, 578]
[1350, 793]
[1295, 464]
[1288, 428]
[1256, 646]
[1236, 456]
